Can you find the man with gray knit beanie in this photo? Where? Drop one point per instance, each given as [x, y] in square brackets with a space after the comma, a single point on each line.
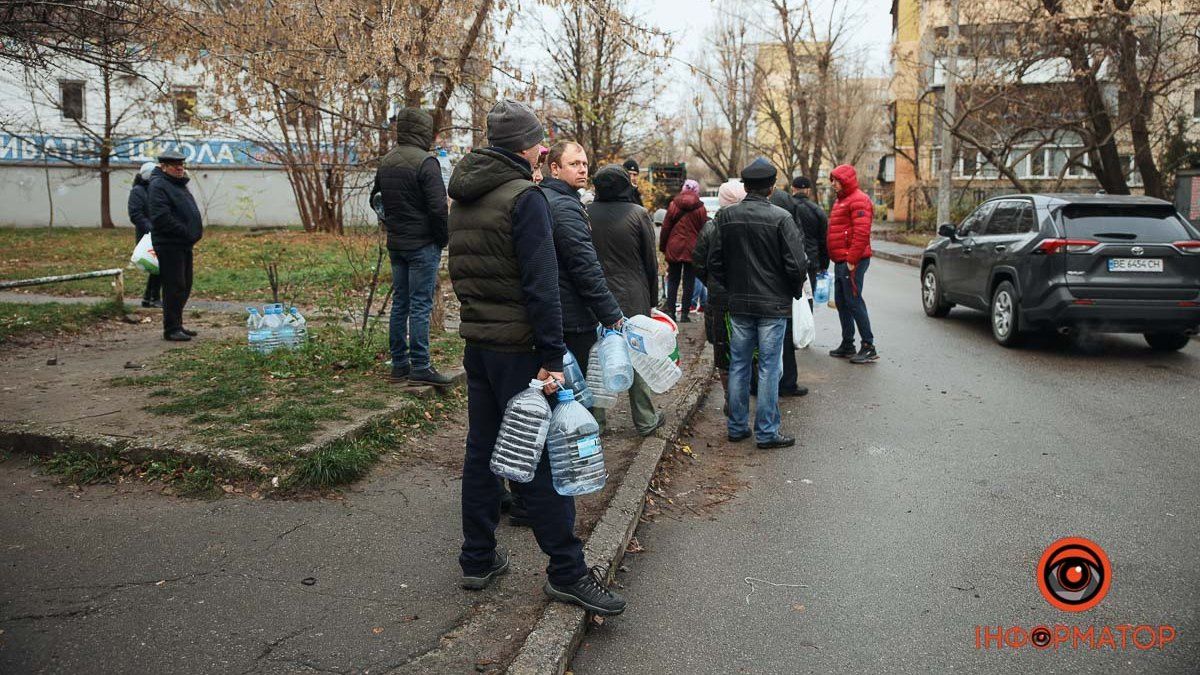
[505, 274]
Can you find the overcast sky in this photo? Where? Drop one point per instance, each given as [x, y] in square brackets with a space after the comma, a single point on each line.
[687, 21]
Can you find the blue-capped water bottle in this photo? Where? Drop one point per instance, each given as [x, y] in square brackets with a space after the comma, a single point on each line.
[576, 458]
[576, 381]
[614, 362]
[822, 288]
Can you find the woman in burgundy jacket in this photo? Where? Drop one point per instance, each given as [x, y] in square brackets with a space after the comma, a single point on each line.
[685, 218]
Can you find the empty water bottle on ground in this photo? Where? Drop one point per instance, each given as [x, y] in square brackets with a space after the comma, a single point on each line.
[822, 288]
[299, 324]
[601, 397]
[614, 362]
[575, 380]
[647, 336]
[660, 373]
[523, 432]
[576, 458]
[273, 323]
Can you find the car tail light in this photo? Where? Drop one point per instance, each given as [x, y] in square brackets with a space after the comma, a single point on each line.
[1049, 246]
[1188, 246]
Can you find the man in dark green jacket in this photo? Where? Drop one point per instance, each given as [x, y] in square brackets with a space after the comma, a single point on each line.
[504, 271]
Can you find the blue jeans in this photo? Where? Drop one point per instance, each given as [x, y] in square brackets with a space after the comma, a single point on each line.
[414, 275]
[767, 335]
[852, 309]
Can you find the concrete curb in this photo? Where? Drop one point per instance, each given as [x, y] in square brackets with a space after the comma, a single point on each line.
[552, 644]
[912, 260]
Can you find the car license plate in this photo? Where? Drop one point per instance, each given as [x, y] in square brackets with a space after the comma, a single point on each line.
[1135, 265]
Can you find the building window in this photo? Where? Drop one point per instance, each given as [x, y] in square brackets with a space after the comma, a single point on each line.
[184, 100]
[1037, 163]
[1196, 104]
[71, 97]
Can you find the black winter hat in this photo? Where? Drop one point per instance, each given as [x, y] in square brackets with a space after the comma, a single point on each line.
[631, 165]
[758, 174]
[801, 183]
[514, 126]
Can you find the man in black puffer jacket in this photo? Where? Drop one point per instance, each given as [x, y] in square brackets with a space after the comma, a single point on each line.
[586, 299]
[758, 255]
[175, 228]
[409, 180]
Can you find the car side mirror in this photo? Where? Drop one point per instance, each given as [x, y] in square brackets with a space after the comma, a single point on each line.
[948, 231]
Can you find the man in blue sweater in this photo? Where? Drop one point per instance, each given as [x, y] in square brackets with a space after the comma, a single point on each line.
[505, 274]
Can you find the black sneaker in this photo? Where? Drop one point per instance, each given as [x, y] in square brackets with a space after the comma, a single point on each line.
[779, 441]
[151, 304]
[737, 438]
[399, 373]
[866, 355]
[430, 375]
[845, 351]
[478, 582]
[177, 336]
[798, 391]
[589, 593]
[189, 332]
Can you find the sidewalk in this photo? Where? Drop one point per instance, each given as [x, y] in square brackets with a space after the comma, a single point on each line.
[45, 298]
[121, 578]
[896, 252]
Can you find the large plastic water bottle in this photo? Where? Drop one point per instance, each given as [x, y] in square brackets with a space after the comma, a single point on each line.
[299, 325]
[444, 162]
[576, 458]
[614, 362]
[821, 291]
[523, 431]
[575, 380]
[660, 373]
[601, 397]
[256, 337]
[272, 323]
[647, 336]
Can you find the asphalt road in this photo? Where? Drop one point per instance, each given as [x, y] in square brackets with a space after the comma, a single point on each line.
[918, 503]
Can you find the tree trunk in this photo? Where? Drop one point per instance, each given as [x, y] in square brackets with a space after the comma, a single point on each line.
[106, 150]
[1142, 106]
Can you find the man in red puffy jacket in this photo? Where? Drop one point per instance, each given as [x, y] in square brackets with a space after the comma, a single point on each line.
[850, 250]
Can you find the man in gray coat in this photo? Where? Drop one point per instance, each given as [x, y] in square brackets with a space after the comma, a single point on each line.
[624, 238]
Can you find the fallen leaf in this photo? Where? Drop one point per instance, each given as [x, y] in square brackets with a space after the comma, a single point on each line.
[377, 630]
[797, 608]
[160, 583]
[598, 620]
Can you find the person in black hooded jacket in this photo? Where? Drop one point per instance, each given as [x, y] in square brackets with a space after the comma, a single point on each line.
[176, 226]
[624, 238]
[139, 215]
[409, 181]
[586, 300]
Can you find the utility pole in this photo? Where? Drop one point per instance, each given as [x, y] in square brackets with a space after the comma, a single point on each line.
[949, 105]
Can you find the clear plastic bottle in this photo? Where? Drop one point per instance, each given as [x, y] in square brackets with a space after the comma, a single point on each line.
[255, 335]
[647, 336]
[272, 323]
[601, 397]
[614, 362]
[522, 435]
[821, 291]
[444, 162]
[299, 324]
[576, 458]
[575, 380]
[660, 373]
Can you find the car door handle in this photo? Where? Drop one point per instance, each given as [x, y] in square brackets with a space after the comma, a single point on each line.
[1000, 248]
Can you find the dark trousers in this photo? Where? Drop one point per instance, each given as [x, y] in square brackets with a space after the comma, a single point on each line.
[788, 381]
[492, 379]
[580, 345]
[676, 270]
[175, 271]
[852, 309]
[153, 288]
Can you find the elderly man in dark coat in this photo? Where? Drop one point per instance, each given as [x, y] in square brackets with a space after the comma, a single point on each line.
[175, 228]
[624, 238]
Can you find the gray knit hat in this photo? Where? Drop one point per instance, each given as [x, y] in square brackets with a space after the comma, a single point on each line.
[513, 126]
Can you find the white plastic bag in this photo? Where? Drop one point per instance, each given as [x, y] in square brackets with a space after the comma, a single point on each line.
[144, 255]
[803, 328]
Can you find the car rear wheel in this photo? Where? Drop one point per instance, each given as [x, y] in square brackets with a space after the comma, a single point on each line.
[931, 293]
[1005, 315]
[1167, 342]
